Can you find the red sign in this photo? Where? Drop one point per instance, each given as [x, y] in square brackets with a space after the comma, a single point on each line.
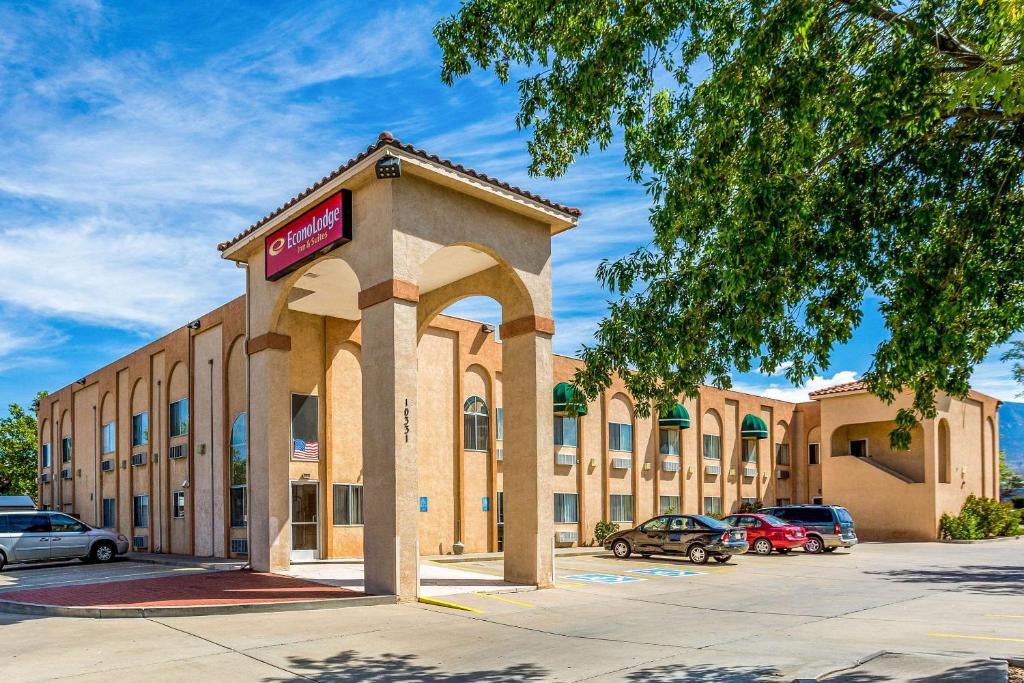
[320, 229]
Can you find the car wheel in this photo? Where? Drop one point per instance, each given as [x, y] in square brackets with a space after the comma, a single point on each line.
[3, 560]
[721, 559]
[763, 546]
[104, 551]
[813, 545]
[621, 549]
[697, 554]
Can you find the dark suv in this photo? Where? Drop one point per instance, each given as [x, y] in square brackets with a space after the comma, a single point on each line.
[828, 526]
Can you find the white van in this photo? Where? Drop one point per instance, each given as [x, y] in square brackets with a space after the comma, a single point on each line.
[42, 535]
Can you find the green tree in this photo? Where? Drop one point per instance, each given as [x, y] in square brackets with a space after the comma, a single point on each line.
[804, 159]
[1009, 480]
[19, 446]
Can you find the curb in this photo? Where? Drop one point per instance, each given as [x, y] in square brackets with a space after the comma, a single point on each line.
[456, 559]
[1000, 539]
[174, 562]
[32, 609]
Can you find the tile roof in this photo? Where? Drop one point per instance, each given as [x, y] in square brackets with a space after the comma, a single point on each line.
[859, 385]
[386, 139]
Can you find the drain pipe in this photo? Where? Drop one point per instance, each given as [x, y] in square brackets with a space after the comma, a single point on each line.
[213, 517]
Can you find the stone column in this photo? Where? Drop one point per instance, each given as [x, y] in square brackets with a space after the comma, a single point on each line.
[529, 459]
[391, 496]
[269, 514]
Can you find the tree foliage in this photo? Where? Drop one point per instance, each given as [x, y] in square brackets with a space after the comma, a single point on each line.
[19, 445]
[1009, 480]
[804, 158]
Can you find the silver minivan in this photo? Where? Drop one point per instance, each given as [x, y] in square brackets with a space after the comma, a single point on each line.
[43, 535]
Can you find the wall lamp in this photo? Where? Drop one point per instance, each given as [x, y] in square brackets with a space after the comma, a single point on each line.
[388, 167]
[195, 324]
[487, 328]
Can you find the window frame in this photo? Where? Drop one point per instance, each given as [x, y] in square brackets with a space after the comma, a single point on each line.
[239, 427]
[867, 453]
[662, 510]
[615, 443]
[747, 455]
[113, 513]
[143, 499]
[66, 454]
[499, 424]
[814, 453]
[558, 429]
[611, 507]
[561, 509]
[781, 448]
[667, 431]
[712, 511]
[178, 504]
[291, 425]
[716, 439]
[476, 426]
[174, 425]
[145, 432]
[350, 505]
[46, 455]
[108, 437]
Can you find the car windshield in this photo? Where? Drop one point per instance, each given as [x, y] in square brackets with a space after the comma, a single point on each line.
[774, 521]
[711, 522]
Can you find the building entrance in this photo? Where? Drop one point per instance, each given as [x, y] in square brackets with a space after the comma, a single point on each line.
[305, 522]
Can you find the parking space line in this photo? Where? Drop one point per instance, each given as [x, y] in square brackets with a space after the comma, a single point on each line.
[1006, 616]
[449, 605]
[966, 637]
[492, 596]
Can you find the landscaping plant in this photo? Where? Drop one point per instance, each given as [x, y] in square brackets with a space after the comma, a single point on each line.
[603, 530]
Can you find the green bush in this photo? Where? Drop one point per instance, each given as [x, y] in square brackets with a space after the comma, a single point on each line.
[603, 530]
[980, 518]
[750, 507]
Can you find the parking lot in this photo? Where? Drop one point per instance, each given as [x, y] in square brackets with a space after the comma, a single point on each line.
[661, 619]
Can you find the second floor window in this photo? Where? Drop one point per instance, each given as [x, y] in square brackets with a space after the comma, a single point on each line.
[565, 431]
[47, 457]
[712, 447]
[750, 450]
[108, 441]
[179, 418]
[140, 429]
[65, 449]
[668, 441]
[813, 453]
[476, 435]
[620, 437]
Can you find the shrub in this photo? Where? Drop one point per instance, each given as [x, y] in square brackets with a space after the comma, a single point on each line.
[603, 530]
[1018, 502]
[980, 518]
[750, 507]
[958, 527]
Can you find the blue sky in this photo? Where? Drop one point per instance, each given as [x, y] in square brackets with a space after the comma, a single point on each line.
[138, 135]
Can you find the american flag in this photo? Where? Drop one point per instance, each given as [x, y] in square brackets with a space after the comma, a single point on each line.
[306, 450]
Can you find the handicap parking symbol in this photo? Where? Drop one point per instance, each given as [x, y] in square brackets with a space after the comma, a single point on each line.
[665, 572]
[602, 578]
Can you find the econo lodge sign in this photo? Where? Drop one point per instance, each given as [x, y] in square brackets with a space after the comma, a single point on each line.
[320, 229]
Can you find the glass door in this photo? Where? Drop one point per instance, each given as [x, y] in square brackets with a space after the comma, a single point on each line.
[305, 520]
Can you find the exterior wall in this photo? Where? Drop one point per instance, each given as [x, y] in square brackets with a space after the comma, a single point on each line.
[458, 359]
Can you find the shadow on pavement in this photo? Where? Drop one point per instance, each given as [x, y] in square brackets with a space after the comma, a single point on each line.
[352, 666]
[991, 580]
[700, 672]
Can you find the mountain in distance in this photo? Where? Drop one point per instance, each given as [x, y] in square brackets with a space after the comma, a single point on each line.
[1011, 433]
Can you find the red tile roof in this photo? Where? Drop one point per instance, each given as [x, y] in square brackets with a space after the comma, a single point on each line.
[385, 139]
[859, 385]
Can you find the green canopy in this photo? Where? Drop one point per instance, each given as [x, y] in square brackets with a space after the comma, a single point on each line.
[564, 397]
[753, 427]
[677, 417]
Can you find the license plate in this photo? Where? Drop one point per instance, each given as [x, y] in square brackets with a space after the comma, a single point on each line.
[737, 535]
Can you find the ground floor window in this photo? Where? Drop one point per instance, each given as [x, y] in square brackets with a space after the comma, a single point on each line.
[348, 504]
[109, 513]
[712, 505]
[816, 500]
[668, 505]
[178, 504]
[621, 508]
[499, 513]
[566, 508]
[782, 501]
[749, 502]
[238, 505]
[813, 453]
[140, 511]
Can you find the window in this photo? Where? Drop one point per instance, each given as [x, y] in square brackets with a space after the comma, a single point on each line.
[782, 454]
[26, 523]
[859, 448]
[750, 450]
[475, 425]
[566, 431]
[712, 505]
[109, 513]
[62, 524]
[178, 504]
[107, 439]
[140, 511]
[621, 508]
[813, 453]
[748, 502]
[499, 507]
[499, 423]
[305, 427]
[239, 470]
[816, 500]
[179, 418]
[668, 441]
[566, 508]
[348, 504]
[712, 447]
[668, 504]
[620, 437]
[140, 429]
[47, 457]
[65, 449]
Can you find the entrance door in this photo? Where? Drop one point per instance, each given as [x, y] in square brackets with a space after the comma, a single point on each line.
[305, 521]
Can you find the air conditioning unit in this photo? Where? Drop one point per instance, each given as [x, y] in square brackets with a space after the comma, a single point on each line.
[749, 472]
[782, 474]
[240, 546]
[670, 465]
[45, 478]
[140, 542]
[622, 463]
[501, 455]
[138, 459]
[65, 474]
[565, 459]
[107, 465]
[178, 452]
[566, 536]
[712, 469]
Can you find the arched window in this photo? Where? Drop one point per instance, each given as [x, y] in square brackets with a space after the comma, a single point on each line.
[239, 467]
[475, 421]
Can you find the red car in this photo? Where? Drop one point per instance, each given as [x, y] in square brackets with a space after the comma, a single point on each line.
[766, 533]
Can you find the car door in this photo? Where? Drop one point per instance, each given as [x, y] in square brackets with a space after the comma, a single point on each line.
[652, 534]
[68, 537]
[676, 536]
[32, 541]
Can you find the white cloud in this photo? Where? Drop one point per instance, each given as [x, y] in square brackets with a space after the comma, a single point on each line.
[995, 378]
[785, 392]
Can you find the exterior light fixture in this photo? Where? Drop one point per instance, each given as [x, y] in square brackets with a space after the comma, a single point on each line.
[82, 381]
[487, 328]
[388, 167]
[195, 324]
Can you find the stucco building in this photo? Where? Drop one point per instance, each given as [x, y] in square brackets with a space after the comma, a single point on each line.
[333, 412]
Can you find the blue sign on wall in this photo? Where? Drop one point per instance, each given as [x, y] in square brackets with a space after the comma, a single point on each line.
[485, 504]
[423, 503]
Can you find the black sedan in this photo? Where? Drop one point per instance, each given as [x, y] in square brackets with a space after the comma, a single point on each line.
[696, 536]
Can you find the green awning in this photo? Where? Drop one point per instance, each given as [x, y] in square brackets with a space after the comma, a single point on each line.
[753, 427]
[564, 397]
[677, 417]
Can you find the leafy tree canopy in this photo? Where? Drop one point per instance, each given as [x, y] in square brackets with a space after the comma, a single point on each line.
[19, 444]
[801, 156]
[1008, 479]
